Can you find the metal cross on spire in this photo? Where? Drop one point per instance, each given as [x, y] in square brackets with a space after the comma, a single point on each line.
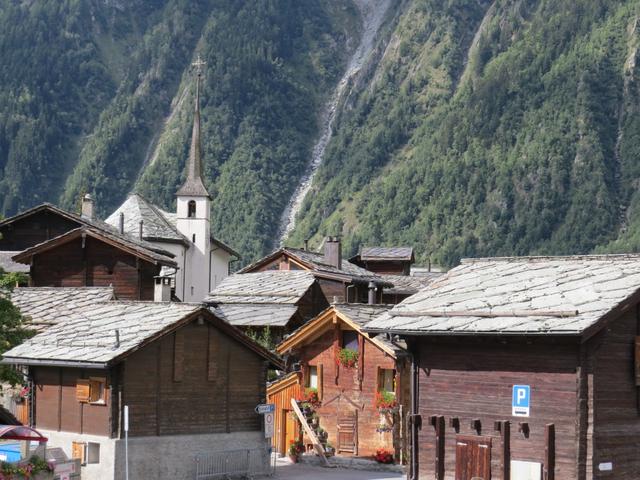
[199, 63]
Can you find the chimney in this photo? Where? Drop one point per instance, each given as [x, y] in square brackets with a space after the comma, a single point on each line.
[306, 244]
[372, 293]
[162, 289]
[141, 225]
[121, 223]
[333, 252]
[87, 207]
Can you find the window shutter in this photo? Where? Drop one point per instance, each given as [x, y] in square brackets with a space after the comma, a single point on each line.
[96, 389]
[83, 390]
[305, 375]
[320, 381]
[178, 356]
[78, 451]
[380, 377]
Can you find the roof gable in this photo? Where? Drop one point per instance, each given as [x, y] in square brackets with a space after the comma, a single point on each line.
[113, 240]
[519, 296]
[355, 316]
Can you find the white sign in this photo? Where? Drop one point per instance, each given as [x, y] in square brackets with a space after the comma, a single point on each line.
[268, 425]
[521, 470]
[126, 418]
[605, 466]
[64, 468]
[521, 400]
[265, 408]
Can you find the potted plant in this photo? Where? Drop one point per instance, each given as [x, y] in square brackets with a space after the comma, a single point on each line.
[311, 397]
[383, 456]
[296, 448]
[34, 468]
[348, 358]
[386, 401]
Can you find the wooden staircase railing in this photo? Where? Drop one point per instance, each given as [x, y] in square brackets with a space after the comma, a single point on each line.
[309, 431]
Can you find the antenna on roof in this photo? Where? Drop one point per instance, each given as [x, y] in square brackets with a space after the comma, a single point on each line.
[121, 223]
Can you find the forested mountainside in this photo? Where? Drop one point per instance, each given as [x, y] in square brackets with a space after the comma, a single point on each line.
[471, 127]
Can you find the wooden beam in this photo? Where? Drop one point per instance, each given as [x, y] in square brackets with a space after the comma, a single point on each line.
[440, 444]
[549, 451]
[310, 433]
[506, 449]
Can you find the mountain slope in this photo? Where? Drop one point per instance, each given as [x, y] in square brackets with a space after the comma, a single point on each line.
[514, 151]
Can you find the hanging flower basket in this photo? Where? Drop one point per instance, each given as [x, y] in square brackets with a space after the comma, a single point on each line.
[348, 358]
[311, 397]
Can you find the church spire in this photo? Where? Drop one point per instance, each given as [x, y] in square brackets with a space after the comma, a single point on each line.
[193, 185]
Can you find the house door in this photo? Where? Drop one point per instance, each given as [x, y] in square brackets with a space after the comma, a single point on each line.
[473, 458]
[348, 433]
[290, 430]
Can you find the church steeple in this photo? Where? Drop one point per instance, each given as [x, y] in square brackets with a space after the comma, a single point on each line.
[193, 185]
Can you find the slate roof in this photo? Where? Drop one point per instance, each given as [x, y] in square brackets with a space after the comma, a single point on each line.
[315, 262]
[274, 286]
[256, 315]
[361, 313]
[8, 265]
[409, 284]
[386, 253]
[136, 248]
[526, 296]
[46, 306]
[88, 336]
[155, 225]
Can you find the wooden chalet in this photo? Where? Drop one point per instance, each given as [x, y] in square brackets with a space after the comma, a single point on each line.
[191, 382]
[525, 368]
[86, 257]
[348, 410]
[278, 300]
[385, 260]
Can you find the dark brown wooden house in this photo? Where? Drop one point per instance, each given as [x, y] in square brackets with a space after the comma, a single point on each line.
[191, 382]
[385, 260]
[348, 411]
[525, 368]
[278, 300]
[340, 280]
[88, 257]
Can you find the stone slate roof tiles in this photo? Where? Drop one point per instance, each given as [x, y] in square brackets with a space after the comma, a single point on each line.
[256, 315]
[47, 306]
[409, 284]
[526, 295]
[155, 225]
[88, 335]
[275, 287]
[386, 253]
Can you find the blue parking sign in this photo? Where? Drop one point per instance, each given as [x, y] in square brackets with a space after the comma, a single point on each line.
[521, 400]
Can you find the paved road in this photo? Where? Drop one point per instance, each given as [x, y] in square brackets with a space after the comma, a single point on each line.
[289, 471]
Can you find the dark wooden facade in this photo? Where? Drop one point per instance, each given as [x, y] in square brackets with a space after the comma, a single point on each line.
[386, 267]
[30, 229]
[585, 405]
[194, 380]
[90, 262]
[350, 392]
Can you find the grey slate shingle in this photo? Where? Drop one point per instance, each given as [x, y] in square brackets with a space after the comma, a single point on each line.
[275, 286]
[518, 295]
[386, 253]
[256, 315]
[46, 306]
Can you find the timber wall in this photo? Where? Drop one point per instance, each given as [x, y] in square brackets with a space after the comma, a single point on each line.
[194, 381]
[33, 229]
[472, 381]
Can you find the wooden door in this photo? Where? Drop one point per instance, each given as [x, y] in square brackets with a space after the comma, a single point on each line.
[290, 430]
[473, 458]
[348, 433]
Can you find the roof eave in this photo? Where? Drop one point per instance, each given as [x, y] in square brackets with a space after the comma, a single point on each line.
[52, 363]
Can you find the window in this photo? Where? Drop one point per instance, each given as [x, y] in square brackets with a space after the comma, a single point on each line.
[386, 380]
[86, 452]
[350, 340]
[93, 452]
[191, 209]
[312, 378]
[92, 390]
